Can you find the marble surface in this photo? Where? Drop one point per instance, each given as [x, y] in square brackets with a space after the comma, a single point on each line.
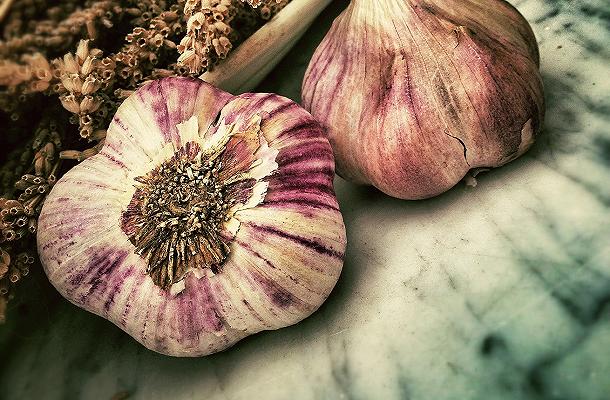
[496, 292]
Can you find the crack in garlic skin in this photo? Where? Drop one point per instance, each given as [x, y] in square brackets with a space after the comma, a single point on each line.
[415, 93]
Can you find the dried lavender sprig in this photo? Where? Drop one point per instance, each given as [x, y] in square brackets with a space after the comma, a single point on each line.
[18, 216]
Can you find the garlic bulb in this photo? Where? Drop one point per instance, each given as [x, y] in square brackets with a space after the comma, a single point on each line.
[204, 218]
[415, 93]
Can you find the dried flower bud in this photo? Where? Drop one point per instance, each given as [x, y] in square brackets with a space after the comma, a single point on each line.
[87, 66]
[108, 63]
[85, 131]
[82, 51]
[70, 64]
[69, 102]
[37, 86]
[89, 104]
[14, 275]
[157, 40]
[91, 85]
[86, 120]
[222, 27]
[265, 12]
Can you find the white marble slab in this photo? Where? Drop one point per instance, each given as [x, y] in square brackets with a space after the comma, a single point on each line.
[496, 292]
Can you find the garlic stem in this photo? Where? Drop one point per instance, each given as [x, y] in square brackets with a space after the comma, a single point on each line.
[5, 8]
[247, 65]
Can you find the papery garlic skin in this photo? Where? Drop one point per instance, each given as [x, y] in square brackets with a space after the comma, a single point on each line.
[416, 93]
[287, 250]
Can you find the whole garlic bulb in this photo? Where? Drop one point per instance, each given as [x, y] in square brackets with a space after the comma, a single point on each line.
[205, 218]
[415, 93]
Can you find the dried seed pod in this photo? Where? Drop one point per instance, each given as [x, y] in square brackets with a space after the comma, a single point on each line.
[415, 93]
[204, 218]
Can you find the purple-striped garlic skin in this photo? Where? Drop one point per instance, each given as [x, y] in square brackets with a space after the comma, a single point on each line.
[415, 93]
[284, 232]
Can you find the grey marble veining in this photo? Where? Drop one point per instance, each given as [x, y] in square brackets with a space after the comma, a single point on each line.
[496, 292]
